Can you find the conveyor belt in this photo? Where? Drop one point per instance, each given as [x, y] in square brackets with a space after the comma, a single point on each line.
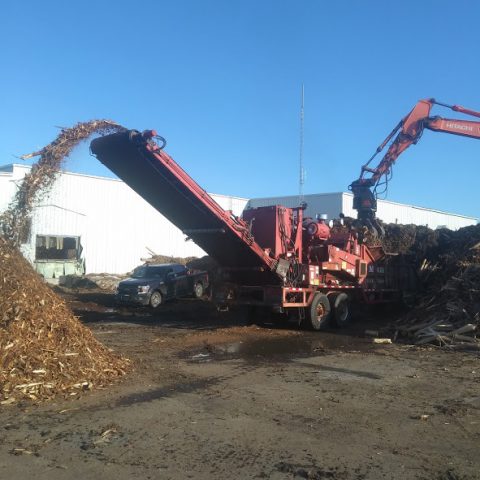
[154, 175]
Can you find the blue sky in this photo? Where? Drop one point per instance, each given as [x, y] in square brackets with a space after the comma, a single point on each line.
[221, 81]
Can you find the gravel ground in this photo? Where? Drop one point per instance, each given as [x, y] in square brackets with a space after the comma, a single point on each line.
[213, 398]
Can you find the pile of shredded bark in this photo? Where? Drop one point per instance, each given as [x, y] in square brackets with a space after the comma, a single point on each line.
[205, 263]
[448, 308]
[15, 221]
[417, 241]
[91, 281]
[156, 259]
[44, 349]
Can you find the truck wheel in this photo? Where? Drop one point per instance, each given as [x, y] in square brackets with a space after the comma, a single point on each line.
[340, 304]
[198, 290]
[156, 299]
[318, 315]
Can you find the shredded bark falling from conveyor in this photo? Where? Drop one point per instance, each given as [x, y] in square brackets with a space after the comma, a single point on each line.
[15, 221]
[44, 348]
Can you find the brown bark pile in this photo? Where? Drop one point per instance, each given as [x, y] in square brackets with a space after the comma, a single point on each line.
[414, 240]
[44, 348]
[448, 308]
[205, 263]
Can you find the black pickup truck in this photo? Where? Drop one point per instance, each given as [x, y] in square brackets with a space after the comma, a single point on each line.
[153, 284]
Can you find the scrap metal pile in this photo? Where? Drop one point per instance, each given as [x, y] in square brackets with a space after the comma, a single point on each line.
[447, 311]
[44, 348]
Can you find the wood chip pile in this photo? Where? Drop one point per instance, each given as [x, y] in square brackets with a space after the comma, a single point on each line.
[204, 263]
[448, 310]
[44, 348]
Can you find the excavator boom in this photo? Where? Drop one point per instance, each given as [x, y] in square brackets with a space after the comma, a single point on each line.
[408, 132]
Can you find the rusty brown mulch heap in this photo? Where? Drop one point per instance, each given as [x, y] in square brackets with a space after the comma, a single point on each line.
[44, 349]
[15, 221]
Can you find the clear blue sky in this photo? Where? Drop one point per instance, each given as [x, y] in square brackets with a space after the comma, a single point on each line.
[221, 81]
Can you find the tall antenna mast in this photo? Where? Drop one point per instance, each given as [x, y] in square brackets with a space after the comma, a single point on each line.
[301, 178]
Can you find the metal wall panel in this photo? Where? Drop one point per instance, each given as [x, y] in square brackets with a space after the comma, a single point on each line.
[329, 203]
[392, 212]
[116, 225]
[10, 177]
[7, 187]
[235, 204]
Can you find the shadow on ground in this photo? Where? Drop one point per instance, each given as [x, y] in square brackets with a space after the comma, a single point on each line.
[99, 307]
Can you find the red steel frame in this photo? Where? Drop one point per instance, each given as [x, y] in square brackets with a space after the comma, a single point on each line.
[342, 263]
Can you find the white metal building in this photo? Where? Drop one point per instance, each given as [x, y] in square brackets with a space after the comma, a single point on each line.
[107, 224]
[96, 224]
[390, 212]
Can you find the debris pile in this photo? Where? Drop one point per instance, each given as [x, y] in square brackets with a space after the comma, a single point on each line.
[205, 263]
[15, 221]
[415, 240]
[448, 310]
[109, 282]
[44, 349]
[104, 281]
[155, 258]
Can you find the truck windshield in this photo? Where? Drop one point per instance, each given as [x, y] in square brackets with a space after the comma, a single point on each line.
[150, 272]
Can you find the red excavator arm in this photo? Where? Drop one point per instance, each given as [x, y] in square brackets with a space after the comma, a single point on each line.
[406, 133]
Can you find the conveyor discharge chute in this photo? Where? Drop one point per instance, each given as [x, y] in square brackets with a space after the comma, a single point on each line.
[154, 175]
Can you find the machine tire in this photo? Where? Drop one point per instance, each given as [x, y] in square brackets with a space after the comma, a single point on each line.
[318, 314]
[156, 299]
[340, 305]
[198, 290]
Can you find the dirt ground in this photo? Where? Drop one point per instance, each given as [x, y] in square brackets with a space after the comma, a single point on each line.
[213, 398]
